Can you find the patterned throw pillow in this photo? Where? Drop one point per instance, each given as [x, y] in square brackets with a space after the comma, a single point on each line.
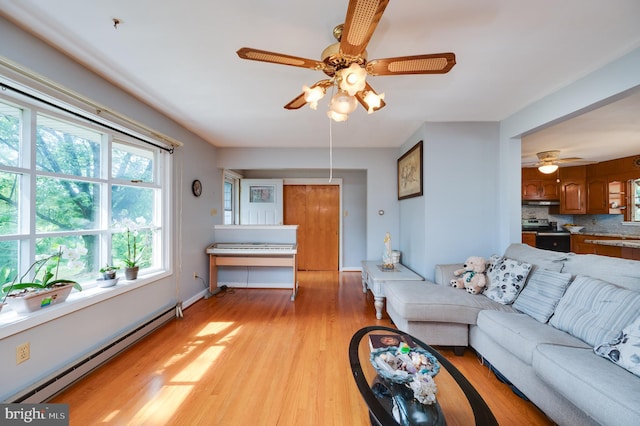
[594, 310]
[505, 279]
[542, 293]
[624, 350]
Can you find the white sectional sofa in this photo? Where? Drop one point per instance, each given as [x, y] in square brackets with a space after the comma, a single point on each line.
[543, 343]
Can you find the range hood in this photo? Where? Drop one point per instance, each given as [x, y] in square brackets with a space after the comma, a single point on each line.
[540, 202]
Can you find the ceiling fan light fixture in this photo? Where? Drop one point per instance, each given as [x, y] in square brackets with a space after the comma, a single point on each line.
[548, 168]
[373, 101]
[312, 95]
[336, 116]
[343, 103]
[352, 79]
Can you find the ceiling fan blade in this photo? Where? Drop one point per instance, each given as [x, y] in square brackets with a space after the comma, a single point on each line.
[360, 23]
[361, 95]
[569, 160]
[437, 63]
[298, 102]
[279, 58]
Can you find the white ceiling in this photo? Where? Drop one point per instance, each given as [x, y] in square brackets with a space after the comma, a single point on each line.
[179, 57]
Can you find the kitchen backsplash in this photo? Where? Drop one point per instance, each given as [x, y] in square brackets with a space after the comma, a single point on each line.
[599, 223]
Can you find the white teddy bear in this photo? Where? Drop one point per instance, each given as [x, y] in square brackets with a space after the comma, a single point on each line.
[471, 276]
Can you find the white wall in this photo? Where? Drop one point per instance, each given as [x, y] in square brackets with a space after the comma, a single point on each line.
[354, 205]
[594, 90]
[59, 342]
[380, 166]
[457, 215]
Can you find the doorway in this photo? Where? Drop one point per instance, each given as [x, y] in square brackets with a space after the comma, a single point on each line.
[316, 211]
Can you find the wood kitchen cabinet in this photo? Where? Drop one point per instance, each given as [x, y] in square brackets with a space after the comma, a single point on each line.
[539, 186]
[573, 192]
[529, 238]
[597, 196]
[578, 245]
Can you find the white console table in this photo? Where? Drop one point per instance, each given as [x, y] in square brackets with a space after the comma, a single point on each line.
[374, 277]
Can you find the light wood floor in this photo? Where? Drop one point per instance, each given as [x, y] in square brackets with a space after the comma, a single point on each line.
[254, 357]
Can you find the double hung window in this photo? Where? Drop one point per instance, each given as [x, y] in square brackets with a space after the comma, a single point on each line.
[68, 184]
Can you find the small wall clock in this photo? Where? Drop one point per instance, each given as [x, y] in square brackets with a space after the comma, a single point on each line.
[196, 188]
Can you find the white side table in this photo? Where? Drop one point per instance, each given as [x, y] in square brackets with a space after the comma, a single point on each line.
[373, 278]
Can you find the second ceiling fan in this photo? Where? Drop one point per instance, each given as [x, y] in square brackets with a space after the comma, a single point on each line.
[345, 62]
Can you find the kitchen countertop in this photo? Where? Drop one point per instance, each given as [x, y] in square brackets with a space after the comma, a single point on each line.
[609, 234]
[616, 243]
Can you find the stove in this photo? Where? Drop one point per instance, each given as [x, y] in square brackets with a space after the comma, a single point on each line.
[548, 237]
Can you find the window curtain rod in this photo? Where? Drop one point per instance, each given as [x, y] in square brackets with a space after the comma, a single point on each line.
[87, 117]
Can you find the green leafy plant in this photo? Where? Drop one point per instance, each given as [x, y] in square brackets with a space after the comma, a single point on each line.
[109, 268]
[49, 266]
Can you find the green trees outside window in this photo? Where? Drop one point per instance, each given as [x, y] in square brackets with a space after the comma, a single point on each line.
[64, 183]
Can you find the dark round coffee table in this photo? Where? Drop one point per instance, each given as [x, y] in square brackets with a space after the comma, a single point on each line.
[457, 400]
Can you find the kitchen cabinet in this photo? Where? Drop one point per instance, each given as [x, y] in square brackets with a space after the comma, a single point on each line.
[573, 192]
[597, 196]
[529, 238]
[539, 186]
[572, 197]
[617, 200]
[631, 253]
[579, 246]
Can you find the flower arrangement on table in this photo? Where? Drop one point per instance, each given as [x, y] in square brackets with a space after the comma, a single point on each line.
[49, 265]
[413, 367]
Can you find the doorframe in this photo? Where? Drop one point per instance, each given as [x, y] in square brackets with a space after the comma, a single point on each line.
[321, 181]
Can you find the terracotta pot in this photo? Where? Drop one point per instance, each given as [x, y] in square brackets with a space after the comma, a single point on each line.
[131, 273]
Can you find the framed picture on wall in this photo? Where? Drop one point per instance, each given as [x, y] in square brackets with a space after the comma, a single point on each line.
[410, 173]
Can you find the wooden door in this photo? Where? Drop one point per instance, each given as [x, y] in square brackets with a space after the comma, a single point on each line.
[316, 211]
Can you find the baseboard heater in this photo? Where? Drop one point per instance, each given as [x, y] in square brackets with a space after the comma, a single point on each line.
[47, 388]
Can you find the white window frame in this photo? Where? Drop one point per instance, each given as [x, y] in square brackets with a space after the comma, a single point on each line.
[12, 323]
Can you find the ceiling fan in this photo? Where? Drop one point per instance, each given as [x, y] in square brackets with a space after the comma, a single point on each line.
[549, 160]
[346, 64]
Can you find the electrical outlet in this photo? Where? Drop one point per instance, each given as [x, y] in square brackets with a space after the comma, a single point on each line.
[195, 275]
[23, 353]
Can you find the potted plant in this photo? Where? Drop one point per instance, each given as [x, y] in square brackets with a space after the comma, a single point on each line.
[109, 271]
[108, 276]
[28, 296]
[136, 244]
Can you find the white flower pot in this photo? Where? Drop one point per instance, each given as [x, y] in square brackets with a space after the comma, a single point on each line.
[37, 300]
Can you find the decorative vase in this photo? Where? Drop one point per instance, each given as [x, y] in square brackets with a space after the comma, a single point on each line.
[131, 273]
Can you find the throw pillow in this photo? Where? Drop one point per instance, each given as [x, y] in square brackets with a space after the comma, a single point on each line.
[624, 350]
[594, 310]
[542, 293]
[505, 279]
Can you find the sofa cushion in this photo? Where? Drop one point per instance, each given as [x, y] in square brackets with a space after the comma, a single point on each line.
[605, 392]
[543, 291]
[520, 334]
[621, 272]
[426, 301]
[595, 311]
[624, 350]
[505, 279]
[543, 259]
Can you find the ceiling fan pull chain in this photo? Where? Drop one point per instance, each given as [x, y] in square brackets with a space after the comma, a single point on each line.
[330, 150]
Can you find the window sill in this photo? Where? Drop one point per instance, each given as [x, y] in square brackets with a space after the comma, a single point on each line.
[13, 323]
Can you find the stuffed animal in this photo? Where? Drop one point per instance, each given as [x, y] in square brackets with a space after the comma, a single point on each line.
[471, 276]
